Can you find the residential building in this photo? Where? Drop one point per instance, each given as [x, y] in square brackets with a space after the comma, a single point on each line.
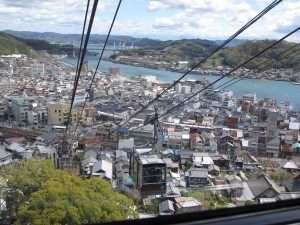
[187, 205]
[272, 123]
[37, 69]
[58, 112]
[20, 108]
[148, 173]
[197, 177]
[262, 187]
[6, 86]
[285, 106]
[250, 98]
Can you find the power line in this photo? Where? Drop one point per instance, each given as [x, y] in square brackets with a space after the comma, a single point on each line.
[246, 26]
[246, 73]
[81, 40]
[94, 9]
[100, 58]
[261, 65]
[269, 61]
[247, 61]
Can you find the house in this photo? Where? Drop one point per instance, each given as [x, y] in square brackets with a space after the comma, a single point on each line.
[197, 177]
[172, 191]
[235, 187]
[166, 208]
[247, 162]
[272, 148]
[262, 187]
[196, 143]
[48, 138]
[24, 151]
[202, 159]
[292, 185]
[187, 205]
[221, 160]
[87, 164]
[286, 151]
[103, 169]
[5, 157]
[226, 144]
[289, 166]
[213, 170]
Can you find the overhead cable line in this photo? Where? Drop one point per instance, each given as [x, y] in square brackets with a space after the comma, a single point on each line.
[94, 9]
[261, 65]
[100, 58]
[231, 71]
[79, 54]
[246, 26]
[243, 75]
[81, 40]
[267, 62]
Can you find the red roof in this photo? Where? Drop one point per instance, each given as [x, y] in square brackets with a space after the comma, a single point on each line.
[193, 137]
[91, 141]
[18, 140]
[286, 148]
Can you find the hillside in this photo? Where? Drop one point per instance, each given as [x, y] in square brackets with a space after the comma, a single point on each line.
[10, 45]
[193, 49]
[237, 55]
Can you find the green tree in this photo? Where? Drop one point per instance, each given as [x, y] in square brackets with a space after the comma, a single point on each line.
[37, 193]
[280, 175]
[71, 200]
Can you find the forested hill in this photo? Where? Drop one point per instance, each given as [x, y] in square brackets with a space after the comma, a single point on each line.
[235, 56]
[192, 50]
[10, 45]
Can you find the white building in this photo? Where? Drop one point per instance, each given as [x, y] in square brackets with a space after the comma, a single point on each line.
[126, 143]
[182, 64]
[37, 69]
[250, 98]
[178, 88]
[20, 108]
[285, 106]
[32, 117]
[186, 90]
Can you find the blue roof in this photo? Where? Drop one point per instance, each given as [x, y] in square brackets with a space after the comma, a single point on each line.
[122, 129]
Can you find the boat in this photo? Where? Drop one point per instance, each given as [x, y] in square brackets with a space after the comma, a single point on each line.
[297, 83]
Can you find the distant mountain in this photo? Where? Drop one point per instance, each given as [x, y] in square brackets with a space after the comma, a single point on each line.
[94, 38]
[10, 45]
[233, 43]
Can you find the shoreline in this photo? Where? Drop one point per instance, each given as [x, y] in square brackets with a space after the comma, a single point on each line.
[67, 63]
[198, 73]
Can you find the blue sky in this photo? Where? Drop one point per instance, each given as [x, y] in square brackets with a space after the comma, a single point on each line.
[163, 19]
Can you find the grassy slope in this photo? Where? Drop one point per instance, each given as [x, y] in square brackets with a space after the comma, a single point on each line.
[9, 45]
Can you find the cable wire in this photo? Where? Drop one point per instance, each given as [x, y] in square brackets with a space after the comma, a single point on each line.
[246, 73]
[246, 26]
[94, 9]
[100, 58]
[222, 77]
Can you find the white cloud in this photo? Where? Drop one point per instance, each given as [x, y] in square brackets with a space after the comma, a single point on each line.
[220, 19]
[48, 15]
[208, 19]
[155, 5]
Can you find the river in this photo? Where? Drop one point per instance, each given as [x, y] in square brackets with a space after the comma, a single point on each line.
[278, 90]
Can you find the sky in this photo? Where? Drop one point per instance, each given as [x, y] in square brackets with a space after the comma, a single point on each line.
[162, 19]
